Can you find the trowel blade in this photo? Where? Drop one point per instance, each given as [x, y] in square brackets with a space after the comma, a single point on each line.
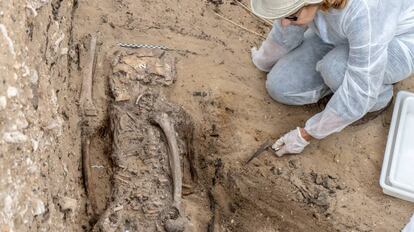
[259, 151]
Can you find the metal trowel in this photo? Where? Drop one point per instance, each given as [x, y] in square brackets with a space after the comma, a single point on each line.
[265, 146]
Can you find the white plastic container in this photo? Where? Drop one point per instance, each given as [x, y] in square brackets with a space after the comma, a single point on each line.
[397, 175]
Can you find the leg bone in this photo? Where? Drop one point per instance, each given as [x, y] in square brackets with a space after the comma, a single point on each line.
[174, 159]
[86, 102]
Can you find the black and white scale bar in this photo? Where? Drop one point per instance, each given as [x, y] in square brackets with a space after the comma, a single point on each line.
[125, 45]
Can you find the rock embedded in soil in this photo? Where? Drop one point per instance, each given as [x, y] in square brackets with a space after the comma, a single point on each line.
[329, 183]
[38, 207]
[322, 199]
[3, 102]
[20, 121]
[12, 92]
[68, 204]
[177, 225]
[14, 137]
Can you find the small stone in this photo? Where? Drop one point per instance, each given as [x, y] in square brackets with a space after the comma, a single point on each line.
[14, 137]
[319, 179]
[329, 183]
[21, 121]
[7, 204]
[56, 125]
[12, 92]
[34, 77]
[3, 102]
[68, 204]
[322, 199]
[177, 225]
[35, 144]
[53, 124]
[25, 70]
[333, 177]
[31, 167]
[341, 186]
[39, 207]
[64, 51]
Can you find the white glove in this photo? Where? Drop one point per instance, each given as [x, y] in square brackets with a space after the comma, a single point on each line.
[267, 55]
[290, 143]
[410, 226]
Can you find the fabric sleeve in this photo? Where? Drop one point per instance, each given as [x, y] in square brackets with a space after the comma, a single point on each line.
[288, 37]
[363, 77]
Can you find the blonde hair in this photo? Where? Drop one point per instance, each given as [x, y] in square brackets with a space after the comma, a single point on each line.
[336, 4]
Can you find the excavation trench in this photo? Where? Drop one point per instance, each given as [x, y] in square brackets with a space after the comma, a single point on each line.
[153, 167]
[156, 160]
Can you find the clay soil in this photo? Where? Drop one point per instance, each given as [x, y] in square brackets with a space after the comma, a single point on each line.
[332, 186]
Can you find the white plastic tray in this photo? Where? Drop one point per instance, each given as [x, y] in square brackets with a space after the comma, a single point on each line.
[397, 175]
[402, 169]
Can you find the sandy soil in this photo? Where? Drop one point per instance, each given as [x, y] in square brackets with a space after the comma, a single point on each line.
[332, 186]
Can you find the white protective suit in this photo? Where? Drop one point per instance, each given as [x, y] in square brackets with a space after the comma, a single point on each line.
[366, 29]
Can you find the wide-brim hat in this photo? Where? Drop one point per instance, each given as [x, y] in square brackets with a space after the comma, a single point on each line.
[274, 9]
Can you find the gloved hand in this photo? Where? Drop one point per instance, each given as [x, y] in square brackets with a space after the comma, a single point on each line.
[267, 55]
[410, 226]
[290, 143]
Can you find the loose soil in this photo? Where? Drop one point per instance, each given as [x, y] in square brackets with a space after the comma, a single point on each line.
[332, 186]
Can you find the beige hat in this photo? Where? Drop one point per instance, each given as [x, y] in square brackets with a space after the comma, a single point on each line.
[273, 9]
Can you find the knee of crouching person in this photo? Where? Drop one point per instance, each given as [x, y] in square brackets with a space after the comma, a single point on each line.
[333, 67]
[276, 89]
[330, 75]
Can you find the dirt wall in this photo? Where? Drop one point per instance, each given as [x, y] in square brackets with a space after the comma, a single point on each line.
[41, 185]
